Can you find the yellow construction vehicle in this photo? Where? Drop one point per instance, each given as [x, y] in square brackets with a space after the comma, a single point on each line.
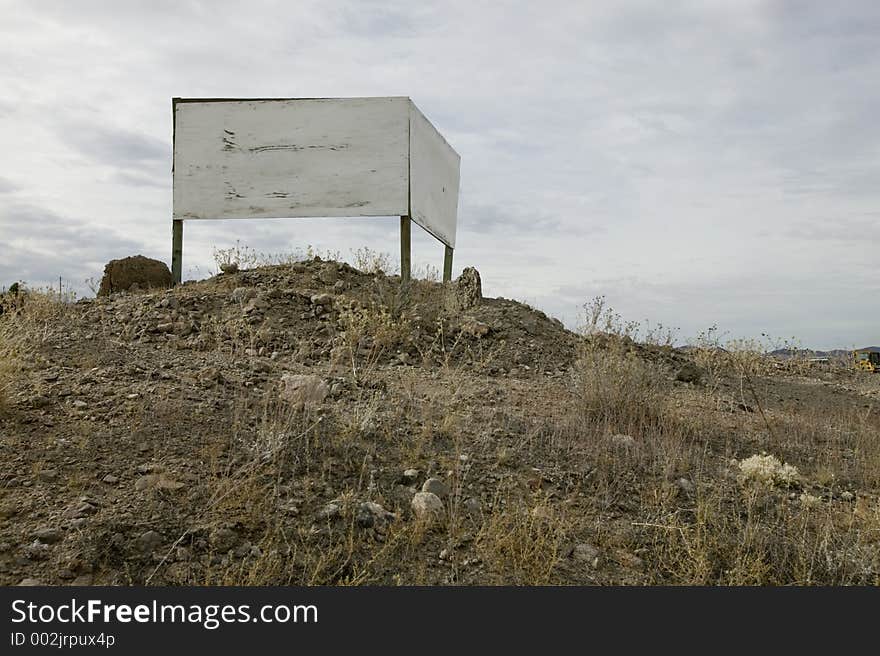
[867, 361]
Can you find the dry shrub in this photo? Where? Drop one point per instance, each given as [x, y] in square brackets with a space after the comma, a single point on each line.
[522, 543]
[25, 318]
[370, 333]
[758, 536]
[618, 390]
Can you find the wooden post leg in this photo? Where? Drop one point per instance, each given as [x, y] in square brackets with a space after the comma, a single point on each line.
[447, 264]
[405, 262]
[177, 251]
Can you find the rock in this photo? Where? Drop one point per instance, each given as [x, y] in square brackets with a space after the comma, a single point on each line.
[328, 511]
[322, 300]
[685, 485]
[468, 289]
[229, 268]
[261, 366]
[303, 390]
[436, 486]
[49, 535]
[80, 405]
[110, 479]
[586, 553]
[411, 475]
[148, 542]
[84, 509]
[689, 373]
[472, 507]
[370, 514]
[223, 539]
[622, 440]
[146, 273]
[427, 505]
[48, 475]
[39, 401]
[157, 481]
[329, 274]
[30, 582]
[475, 328]
[242, 294]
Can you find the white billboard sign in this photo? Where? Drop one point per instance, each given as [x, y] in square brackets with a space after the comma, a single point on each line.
[315, 157]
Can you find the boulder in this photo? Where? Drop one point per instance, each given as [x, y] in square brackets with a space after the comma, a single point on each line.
[303, 391]
[136, 272]
[468, 288]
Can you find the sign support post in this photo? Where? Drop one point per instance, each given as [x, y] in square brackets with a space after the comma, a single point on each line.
[405, 259]
[176, 251]
[447, 263]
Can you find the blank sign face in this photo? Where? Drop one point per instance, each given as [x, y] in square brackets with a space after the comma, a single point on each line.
[277, 158]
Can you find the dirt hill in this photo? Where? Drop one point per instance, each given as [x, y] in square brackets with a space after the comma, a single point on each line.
[310, 423]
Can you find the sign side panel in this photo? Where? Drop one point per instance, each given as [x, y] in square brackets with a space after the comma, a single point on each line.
[291, 158]
[434, 171]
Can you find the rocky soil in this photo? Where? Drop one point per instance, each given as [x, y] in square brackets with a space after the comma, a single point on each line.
[312, 423]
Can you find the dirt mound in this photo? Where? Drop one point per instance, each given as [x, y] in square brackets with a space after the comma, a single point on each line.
[315, 424]
[329, 312]
[134, 274]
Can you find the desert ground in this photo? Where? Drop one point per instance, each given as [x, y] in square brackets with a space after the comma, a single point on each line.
[315, 423]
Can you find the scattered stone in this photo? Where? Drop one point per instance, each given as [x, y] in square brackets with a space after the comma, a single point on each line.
[303, 390]
[148, 542]
[685, 485]
[436, 486]
[158, 482]
[31, 582]
[80, 405]
[39, 401]
[471, 507]
[329, 511]
[229, 267]
[48, 475]
[110, 479]
[411, 475]
[328, 274]
[475, 328]
[586, 553]
[370, 514]
[145, 273]
[689, 373]
[622, 440]
[325, 300]
[427, 505]
[49, 535]
[223, 539]
[242, 294]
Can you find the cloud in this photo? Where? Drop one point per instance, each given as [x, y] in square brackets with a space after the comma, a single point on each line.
[39, 246]
[115, 147]
[696, 162]
[7, 186]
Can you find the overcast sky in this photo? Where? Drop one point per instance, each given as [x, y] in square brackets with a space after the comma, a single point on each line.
[697, 163]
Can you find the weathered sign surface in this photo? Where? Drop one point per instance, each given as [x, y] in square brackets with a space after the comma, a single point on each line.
[263, 158]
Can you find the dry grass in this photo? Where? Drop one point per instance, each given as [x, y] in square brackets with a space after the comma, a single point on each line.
[25, 318]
